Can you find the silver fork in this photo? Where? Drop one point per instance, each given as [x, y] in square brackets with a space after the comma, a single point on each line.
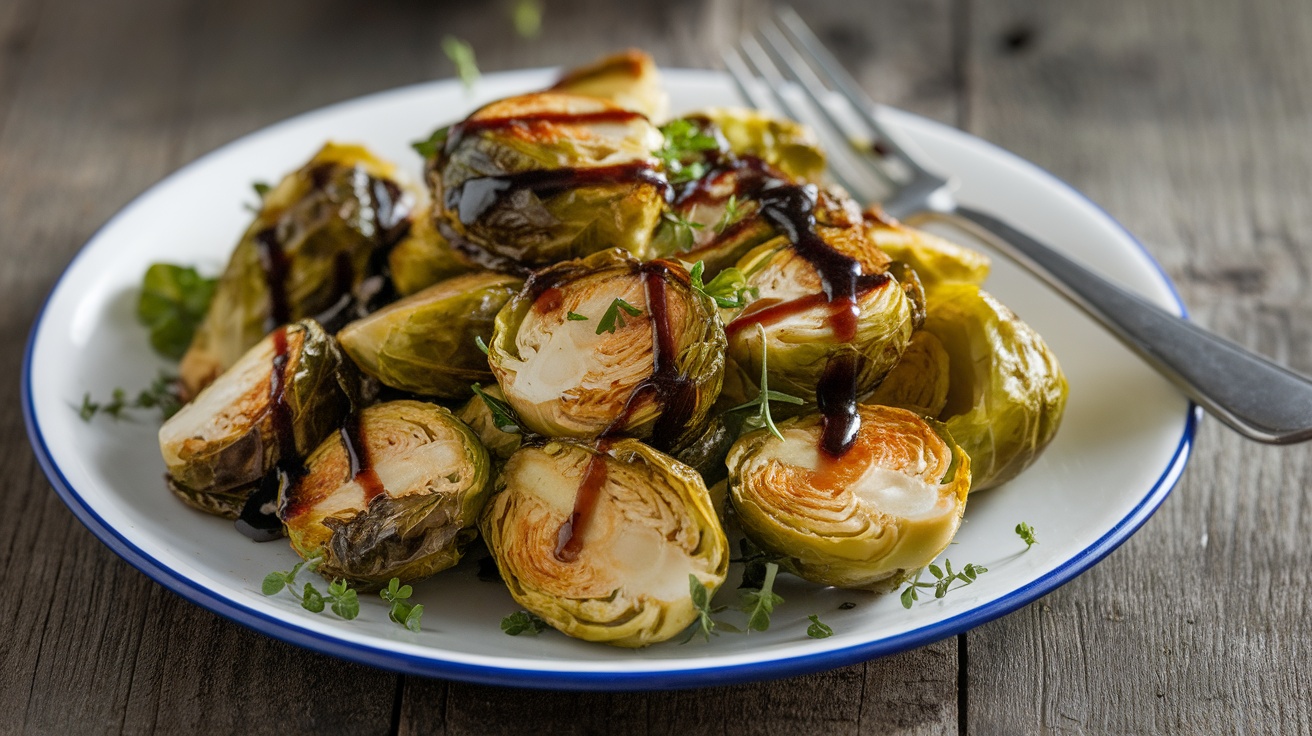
[1259, 399]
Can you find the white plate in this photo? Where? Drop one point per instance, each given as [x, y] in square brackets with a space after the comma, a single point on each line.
[1122, 446]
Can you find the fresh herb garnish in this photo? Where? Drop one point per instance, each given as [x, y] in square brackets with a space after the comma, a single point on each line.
[754, 561]
[764, 396]
[729, 289]
[431, 146]
[403, 612]
[614, 316]
[701, 600]
[730, 214]
[478, 341]
[172, 305]
[1026, 533]
[523, 622]
[504, 417]
[162, 395]
[944, 578]
[462, 55]
[344, 600]
[684, 238]
[818, 629]
[527, 17]
[576, 317]
[759, 604]
[261, 188]
[684, 149]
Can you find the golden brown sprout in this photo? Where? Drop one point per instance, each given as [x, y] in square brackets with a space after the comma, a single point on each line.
[934, 259]
[618, 573]
[919, 381]
[628, 79]
[888, 506]
[424, 257]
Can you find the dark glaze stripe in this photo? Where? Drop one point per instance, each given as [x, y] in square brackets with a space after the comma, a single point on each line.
[361, 465]
[474, 197]
[569, 540]
[258, 520]
[276, 267]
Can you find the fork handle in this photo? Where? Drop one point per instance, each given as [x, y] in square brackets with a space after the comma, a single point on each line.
[1259, 399]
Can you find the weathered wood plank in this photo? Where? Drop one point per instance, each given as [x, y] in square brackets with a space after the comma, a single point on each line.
[1188, 121]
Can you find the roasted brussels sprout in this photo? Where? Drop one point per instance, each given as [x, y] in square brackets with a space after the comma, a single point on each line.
[785, 144]
[274, 405]
[919, 381]
[824, 296]
[425, 343]
[628, 79]
[600, 541]
[610, 345]
[934, 259]
[318, 235]
[494, 435]
[540, 178]
[888, 506]
[424, 257]
[1006, 392]
[396, 494]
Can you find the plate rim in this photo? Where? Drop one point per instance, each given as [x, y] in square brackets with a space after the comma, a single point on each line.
[608, 680]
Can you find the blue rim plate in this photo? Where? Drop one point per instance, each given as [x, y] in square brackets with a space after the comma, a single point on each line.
[1123, 445]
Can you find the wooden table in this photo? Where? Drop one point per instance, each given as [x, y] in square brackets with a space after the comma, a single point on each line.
[1189, 120]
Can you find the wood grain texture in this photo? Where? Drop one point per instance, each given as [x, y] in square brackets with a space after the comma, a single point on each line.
[1188, 120]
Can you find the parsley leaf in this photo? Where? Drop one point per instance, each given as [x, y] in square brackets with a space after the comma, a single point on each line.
[764, 396]
[523, 622]
[173, 302]
[944, 577]
[1026, 534]
[504, 417]
[613, 317]
[818, 629]
[433, 145]
[729, 289]
[403, 612]
[345, 601]
[462, 55]
[759, 604]
[684, 151]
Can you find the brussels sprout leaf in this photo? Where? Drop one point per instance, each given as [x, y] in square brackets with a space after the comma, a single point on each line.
[944, 578]
[504, 417]
[818, 629]
[764, 396]
[523, 622]
[729, 289]
[172, 304]
[614, 316]
[162, 395]
[1026, 534]
[759, 604]
[431, 146]
[462, 55]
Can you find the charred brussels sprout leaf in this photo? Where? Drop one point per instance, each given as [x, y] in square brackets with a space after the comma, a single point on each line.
[172, 304]
[890, 504]
[425, 343]
[639, 524]
[532, 180]
[320, 233]
[647, 363]
[1006, 391]
[399, 501]
[219, 446]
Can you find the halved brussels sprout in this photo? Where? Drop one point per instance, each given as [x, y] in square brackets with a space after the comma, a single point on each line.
[1006, 391]
[425, 343]
[318, 235]
[888, 506]
[424, 257]
[475, 412]
[628, 79]
[785, 144]
[274, 405]
[396, 494]
[919, 381]
[610, 345]
[808, 321]
[934, 259]
[600, 541]
[532, 180]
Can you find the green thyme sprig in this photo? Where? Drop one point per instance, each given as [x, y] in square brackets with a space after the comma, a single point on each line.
[684, 237]
[403, 611]
[944, 577]
[462, 55]
[729, 289]
[759, 604]
[764, 396]
[614, 316]
[162, 395]
[342, 599]
[1026, 534]
[504, 416]
[684, 151]
[523, 622]
[704, 625]
[526, 15]
[729, 216]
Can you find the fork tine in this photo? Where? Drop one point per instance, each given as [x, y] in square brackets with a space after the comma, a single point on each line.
[843, 83]
[797, 68]
[742, 76]
[758, 64]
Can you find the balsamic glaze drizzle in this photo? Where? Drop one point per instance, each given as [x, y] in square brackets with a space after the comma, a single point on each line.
[474, 197]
